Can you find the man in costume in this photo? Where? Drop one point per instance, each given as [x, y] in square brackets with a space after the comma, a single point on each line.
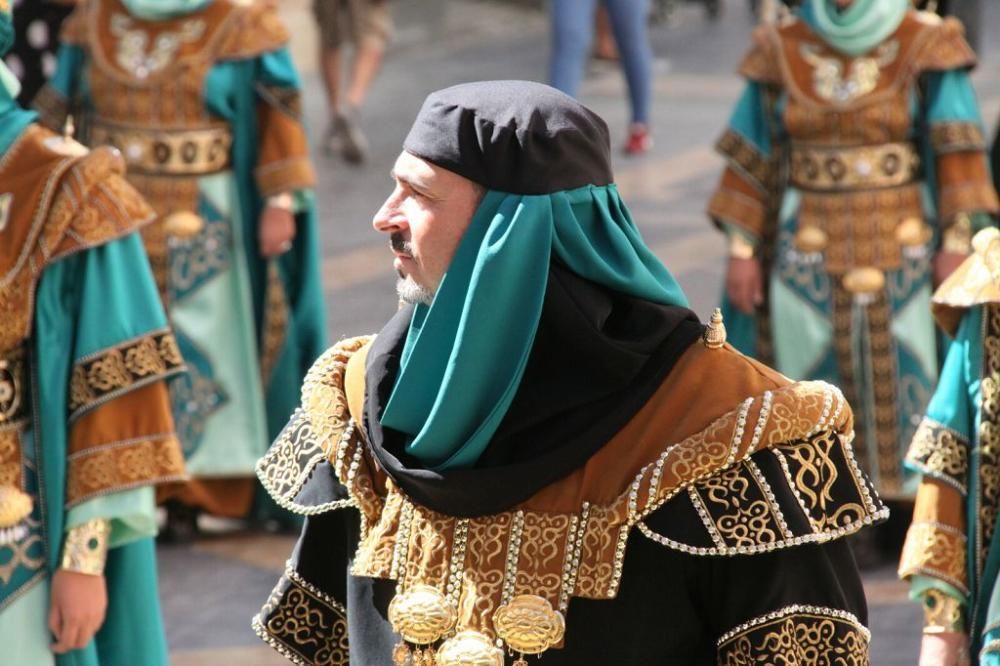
[951, 553]
[85, 423]
[202, 98]
[546, 451]
[856, 178]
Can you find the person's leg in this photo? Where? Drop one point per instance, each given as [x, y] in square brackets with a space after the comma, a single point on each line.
[329, 64]
[604, 43]
[572, 32]
[329, 24]
[629, 22]
[373, 28]
[367, 62]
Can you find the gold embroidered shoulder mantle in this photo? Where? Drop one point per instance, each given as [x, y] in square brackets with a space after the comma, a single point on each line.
[769, 471]
[78, 201]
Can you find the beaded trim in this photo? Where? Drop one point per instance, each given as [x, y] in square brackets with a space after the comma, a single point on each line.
[796, 609]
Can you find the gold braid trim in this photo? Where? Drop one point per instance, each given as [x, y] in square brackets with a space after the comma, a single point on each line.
[304, 624]
[936, 550]
[756, 167]
[117, 466]
[107, 374]
[955, 136]
[940, 452]
[85, 549]
[797, 634]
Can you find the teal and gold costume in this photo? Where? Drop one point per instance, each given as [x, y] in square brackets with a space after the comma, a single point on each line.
[202, 99]
[85, 422]
[952, 551]
[855, 153]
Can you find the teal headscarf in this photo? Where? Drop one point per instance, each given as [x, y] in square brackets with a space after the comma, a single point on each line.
[160, 10]
[465, 353]
[858, 29]
[13, 119]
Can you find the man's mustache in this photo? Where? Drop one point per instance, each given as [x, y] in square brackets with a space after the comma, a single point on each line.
[400, 244]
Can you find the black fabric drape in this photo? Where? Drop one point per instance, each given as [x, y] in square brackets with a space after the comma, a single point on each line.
[598, 357]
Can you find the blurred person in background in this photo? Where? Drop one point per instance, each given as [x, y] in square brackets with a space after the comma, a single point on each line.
[856, 178]
[85, 421]
[33, 58]
[202, 99]
[366, 25]
[573, 24]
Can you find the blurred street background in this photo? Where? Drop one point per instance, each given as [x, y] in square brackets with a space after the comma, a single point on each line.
[211, 589]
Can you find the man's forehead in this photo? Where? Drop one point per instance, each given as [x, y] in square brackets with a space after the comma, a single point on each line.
[409, 167]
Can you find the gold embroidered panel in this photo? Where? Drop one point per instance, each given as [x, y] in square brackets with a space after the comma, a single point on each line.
[957, 136]
[111, 372]
[987, 498]
[808, 491]
[303, 624]
[120, 465]
[797, 635]
[937, 550]
[747, 159]
[861, 227]
[940, 452]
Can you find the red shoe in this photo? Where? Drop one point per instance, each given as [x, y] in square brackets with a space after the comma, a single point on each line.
[640, 140]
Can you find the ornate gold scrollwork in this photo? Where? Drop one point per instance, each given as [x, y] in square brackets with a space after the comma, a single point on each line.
[422, 615]
[529, 624]
[469, 648]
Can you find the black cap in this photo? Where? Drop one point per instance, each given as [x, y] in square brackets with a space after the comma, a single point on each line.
[513, 136]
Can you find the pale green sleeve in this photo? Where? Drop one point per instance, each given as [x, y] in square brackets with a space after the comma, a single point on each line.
[132, 514]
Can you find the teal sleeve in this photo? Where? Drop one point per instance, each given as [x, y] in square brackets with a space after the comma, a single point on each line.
[69, 67]
[951, 405]
[276, 68]
[132, 514]
[920, 584]
[749, 118]
[950, 97]
[116, 278]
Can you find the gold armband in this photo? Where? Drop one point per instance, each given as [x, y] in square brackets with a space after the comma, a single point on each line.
[740, 247]
[942, 613]
[86, 547]
[957, 239]
[283, 201]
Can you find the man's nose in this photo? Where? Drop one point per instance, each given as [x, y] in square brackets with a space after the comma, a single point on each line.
[388, 218]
